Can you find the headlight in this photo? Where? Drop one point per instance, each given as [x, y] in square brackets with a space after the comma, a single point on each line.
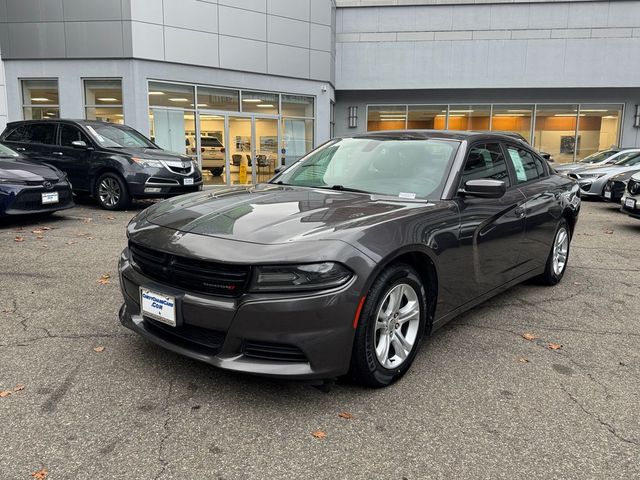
[314, 276]
[145, 162]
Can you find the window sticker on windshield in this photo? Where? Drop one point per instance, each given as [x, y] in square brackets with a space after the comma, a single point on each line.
[99, 137]
[407, 195]
[517, 164]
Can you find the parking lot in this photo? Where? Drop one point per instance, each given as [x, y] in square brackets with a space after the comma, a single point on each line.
[480, 401]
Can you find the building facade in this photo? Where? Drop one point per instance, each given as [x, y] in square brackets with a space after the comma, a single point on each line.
[266, 80]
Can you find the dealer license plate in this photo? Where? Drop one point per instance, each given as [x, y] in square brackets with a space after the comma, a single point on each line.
[50, 197]
[158, 306]
[607, 194]
[188, 181]
[630, 203]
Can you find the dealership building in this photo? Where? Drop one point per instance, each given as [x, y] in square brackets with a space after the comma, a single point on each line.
[267, 80]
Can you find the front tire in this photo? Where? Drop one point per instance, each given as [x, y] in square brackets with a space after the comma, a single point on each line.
[391, 325]
[111, 192]
[559, 255]
[216, 171]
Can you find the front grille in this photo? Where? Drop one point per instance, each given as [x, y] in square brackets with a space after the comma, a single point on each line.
[191, 274]
[181, 170]
[32, 199]
[189, 336]
[273, 351]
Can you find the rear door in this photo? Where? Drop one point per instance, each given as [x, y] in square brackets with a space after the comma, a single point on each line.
[542, 208]
[73, 160]
[491, 229]
[36, 140]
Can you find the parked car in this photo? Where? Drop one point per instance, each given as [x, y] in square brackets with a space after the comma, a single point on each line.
[547, 156]
[616, 185]
[598, 159]
[212, 154]
[343, 261]
[631, 200]
[113, 163]
[592, 181]
[29, 188]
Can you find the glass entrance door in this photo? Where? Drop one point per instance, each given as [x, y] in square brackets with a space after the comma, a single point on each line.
[252, 148]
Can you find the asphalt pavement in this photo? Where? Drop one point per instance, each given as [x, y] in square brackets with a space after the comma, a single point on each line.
[480, 402]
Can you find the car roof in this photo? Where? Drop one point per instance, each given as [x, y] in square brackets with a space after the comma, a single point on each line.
[459, 135]
[77, 121]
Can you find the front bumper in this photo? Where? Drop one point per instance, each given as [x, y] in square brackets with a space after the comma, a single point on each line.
[632, 212]
[27, 200]
[305, 335]
[162, 183]
[614, 190]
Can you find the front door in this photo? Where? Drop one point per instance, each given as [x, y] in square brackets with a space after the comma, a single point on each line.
[74, 160]
[491, 229]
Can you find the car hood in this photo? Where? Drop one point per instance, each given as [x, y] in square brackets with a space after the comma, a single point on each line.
[26, 171]
[154, 154]
[608, 170]
[626, 175]
[273, 214]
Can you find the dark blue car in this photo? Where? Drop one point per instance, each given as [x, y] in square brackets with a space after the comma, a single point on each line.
[27, 187]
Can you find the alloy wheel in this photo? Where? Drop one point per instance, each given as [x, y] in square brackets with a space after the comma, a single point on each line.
[109, 192]
[560, 250]
[397, 323]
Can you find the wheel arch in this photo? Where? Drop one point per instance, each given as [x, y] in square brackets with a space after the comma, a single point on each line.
[101, 171]
[423, 260]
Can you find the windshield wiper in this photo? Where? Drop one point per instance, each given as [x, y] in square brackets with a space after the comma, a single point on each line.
[342, 188]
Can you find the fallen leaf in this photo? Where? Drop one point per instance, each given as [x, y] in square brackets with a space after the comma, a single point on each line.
[39, 237]
[18, 387]
[71, 243]
[90, 238]
[345, 415]
[529, 336]
[87, 220]
[111, 218]
[319, 434]
[40, 474]
[37, 232]
[5, 393]
[98, 349]
[523, 360]
[19, 239]
[608, 231]
[554, 346]
[577, 284]
[46, 228]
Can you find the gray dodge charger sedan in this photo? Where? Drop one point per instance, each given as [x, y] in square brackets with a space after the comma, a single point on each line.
[341, 263]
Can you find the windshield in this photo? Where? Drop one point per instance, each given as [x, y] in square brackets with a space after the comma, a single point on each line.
[7, 152]
[598, 156]
[406, 168]
[110, 136]
[629, 160]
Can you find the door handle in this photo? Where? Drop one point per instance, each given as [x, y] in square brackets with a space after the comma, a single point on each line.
[59, 154]
[21, 149]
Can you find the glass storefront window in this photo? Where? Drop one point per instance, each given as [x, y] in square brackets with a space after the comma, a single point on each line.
[297, 138]
[427, 117]
[171, 95]
[103, 100]
[555, 131]
[513, 118]
[218, 99]
[172, 130]
[40, 99]
[260, 102]
[386, 117]
[598, 127]
[469, 117]
[297, 106]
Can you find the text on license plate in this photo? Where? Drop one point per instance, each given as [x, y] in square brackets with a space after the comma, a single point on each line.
[188, 181]
[630, 202]
[607, 194]
[50, 197]
[158, 306]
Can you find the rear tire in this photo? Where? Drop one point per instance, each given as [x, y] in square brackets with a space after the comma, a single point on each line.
[558, 257]
[390, 328]
[111, 192]
[216, 171]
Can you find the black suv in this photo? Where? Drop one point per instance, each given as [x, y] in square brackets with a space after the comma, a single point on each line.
[113, 163]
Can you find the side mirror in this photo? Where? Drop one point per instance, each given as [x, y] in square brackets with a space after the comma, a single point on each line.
[80, 144]
[278, 169]
[484, 188]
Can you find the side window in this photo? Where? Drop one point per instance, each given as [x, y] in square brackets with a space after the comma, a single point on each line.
[19, 134]
[69, 134]
[527, 166]
[486, 161]
[44, 133]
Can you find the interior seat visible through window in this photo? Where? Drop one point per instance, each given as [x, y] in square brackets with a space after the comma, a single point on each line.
[486, 161]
